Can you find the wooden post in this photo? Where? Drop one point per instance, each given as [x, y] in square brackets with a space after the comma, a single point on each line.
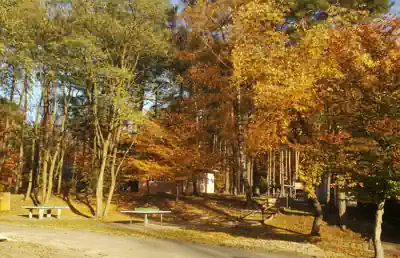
[58, 213]
[30, 214]
[146, 221]
[161, 219]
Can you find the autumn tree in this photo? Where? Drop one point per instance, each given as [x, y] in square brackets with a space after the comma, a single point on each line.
[365, 104]
[123, 41]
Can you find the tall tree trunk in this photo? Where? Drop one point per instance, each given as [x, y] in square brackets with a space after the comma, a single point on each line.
[195, 186]
[30, 175]
[269, 173]
[66, 100]
[227, 170]
[113, 171]
[36, 186]
[378, 248]
[60, 169]
[112, 185]
[316, 227]
[177, 192]
[34, 151]
[44, 175]
[51, 175]
[282, 173]
[20, 167]
[297, 162]
[100, 179]
[35, 157]
[148, 186]
[250, 170]
[328, 192]
[58, 140]
[240, 128]
[290, 174]
[246, 182]
[21, 147]
[286, 167]
[236, 172]
[187, 182]
[274, 173]
[45, 151]
[341, 197]
[248, 191]
[74, 173]
[101, 141]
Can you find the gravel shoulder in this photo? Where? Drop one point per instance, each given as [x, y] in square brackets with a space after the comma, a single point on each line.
[44, 242]
[14, 249]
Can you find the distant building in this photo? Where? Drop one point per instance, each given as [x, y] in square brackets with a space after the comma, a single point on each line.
[205, 184]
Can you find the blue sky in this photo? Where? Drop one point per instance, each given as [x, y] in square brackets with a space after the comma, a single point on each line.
[396, 7]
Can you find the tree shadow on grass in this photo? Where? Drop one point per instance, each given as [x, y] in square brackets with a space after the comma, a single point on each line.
[212, 214]
[74, 209]
[34, 199]
[167, 201]
[358, 220]
[85, 200]
[269, 232]
[253, 228]
[203, 221]
[263, 232]
[203, 204]
[362, 221]
[230, 201]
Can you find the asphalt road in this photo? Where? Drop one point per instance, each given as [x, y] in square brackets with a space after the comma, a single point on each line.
[56, 243]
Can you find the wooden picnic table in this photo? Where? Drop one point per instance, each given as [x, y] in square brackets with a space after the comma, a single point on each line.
[43, 208]
[145, 211]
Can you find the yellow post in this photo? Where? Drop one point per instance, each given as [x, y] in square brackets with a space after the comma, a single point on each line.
[5, 201]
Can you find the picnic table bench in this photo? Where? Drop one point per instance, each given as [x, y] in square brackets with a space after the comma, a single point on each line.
[146, 211]
[42, 208]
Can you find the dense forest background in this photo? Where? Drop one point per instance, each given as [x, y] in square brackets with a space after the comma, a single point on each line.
[97, 92]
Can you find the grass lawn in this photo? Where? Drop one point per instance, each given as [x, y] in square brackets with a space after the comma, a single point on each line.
[209, 219]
